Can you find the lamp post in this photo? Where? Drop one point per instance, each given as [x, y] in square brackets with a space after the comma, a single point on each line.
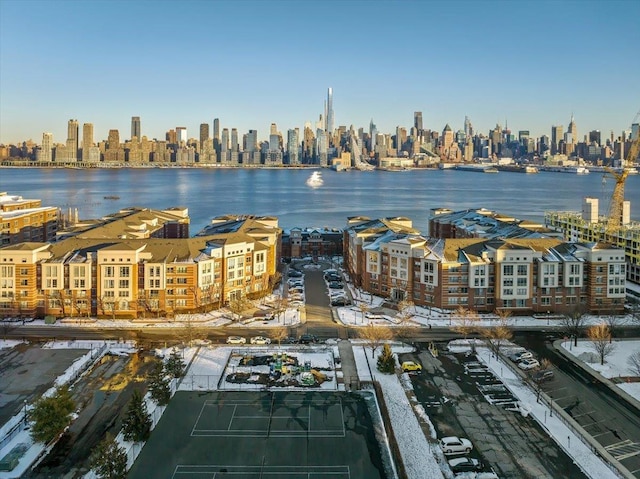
[25, 412]
[548, 314]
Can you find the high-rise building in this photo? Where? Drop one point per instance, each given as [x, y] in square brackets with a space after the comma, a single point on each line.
[234, 139]
[46, 150]
[635, 130]
[224, 146]
[556, 137]
[417, 120]
[468, 128]
[204, 133]
[72, 140]
[216, 128]
[181, 134]
[87, 140]
[595, 136]
[329, 115]
[135, 127]
[293, 146]
[573, 130]
[252, 141]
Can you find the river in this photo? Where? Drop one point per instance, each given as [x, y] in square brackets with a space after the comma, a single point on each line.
[284, 193]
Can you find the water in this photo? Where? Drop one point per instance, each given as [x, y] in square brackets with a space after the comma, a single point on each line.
[284, 193]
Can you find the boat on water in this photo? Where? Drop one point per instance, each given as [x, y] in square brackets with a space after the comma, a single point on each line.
[477, 168]
[518, 168]
[111, 197]
[315, 180]
[576, 170]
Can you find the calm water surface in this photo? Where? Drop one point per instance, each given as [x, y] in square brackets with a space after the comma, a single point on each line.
[283, 193]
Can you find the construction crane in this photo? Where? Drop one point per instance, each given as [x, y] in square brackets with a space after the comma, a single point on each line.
[614, 218]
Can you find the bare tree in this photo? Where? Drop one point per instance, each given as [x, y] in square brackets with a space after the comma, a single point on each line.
[612, 323]
[279, 333]
[634, 363]
[364, 309]
[600, 337]
[374, 336]
[465, 321]
[406, 309]
[499, 333]
[238, 305]
[574, 322]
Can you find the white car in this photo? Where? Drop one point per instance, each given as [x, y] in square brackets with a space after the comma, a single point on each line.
[455, 445]
[260, 340]
[236, 340]
[528, 364]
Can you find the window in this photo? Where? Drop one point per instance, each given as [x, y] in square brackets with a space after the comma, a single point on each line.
[523, 269]
[507, 270]
[124, 271]
[123, 284]
[109, 272]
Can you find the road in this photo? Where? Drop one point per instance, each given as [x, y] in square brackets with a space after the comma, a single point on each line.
[613, 422]
[462, 398]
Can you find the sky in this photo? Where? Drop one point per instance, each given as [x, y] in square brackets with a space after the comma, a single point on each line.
[249, 63]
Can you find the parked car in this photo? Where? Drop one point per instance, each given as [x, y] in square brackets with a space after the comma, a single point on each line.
[294, 273]
[260, 340]
[455, 445]
[541, 376]
[335, 285]
[520, 355]
[340, 301]
[290, 340]
[411, 366]
[465, 464]
[236, 340]
[307, 339]
[528, 364]
[293, 282]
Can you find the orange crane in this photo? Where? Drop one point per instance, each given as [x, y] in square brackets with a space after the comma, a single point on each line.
[614, 218]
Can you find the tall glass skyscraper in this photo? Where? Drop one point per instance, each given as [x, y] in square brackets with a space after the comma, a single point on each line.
[329, 115]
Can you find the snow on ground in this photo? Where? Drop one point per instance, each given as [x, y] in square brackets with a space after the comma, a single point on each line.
[211, 365]
[417, 456]
[616, 364]
[33, 450]
[590, 464]
[9, 343]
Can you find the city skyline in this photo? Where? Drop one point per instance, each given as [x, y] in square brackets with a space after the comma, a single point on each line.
[489, 61]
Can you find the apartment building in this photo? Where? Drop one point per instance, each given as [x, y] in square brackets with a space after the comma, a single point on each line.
[26, 220]
[129, 223]
[527, 275]
[137, 278]
[313, 242]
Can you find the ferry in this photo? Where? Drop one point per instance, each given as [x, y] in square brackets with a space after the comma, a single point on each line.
[518, 168]
[315, 180]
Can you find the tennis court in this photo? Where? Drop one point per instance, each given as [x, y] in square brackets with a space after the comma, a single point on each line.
[267, 434]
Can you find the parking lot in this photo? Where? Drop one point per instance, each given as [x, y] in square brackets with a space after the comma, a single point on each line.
[462, 398]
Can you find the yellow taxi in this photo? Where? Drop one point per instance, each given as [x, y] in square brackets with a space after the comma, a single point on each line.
[411, 366]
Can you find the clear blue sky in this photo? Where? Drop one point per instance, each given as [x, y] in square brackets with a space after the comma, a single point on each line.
[250, 63]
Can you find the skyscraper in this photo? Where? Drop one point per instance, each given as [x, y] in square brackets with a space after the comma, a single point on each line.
[556, 136]
[135, 127]
[234, 139]
[204, 133]
[46, 150]
[216, 129]
[329, 116]
[417, 120]
[72, 140]
[87, 140]
[181, 133]
[293, 146]
[252, 141]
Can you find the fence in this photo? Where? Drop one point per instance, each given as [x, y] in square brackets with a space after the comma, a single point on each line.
[618, 469]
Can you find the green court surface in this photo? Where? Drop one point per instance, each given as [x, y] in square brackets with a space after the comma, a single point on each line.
[267, 434]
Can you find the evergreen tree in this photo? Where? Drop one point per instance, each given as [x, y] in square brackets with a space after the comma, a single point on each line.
[136, 425]
[175, 365]
[109, 460]
[159, 385]
[386, 361]
[50, 415]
